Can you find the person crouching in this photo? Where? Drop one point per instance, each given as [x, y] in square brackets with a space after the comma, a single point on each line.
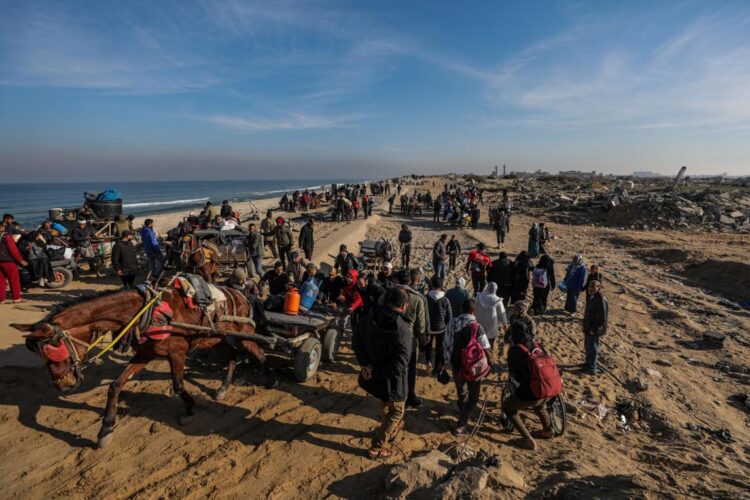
[382, 343]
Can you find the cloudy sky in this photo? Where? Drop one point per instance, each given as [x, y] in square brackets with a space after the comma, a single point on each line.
[270, 89]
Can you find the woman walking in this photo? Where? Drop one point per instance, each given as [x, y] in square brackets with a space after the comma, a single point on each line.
[575, 278]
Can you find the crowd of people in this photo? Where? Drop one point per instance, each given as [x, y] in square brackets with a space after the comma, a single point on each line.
[396, 313]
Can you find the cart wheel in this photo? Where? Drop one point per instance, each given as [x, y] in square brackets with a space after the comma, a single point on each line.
[330, 345]
[62, 278]
[307, 359]
[558, 416]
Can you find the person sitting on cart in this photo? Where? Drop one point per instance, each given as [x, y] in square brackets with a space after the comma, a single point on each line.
[523, 398]
[81, 238]
[278, 281]
[331, 287]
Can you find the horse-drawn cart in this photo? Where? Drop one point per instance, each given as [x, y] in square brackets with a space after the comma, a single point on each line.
[309, 339]
[375, 252]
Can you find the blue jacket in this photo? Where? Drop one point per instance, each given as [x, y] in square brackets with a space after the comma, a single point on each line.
[150, 242]
[575, 281]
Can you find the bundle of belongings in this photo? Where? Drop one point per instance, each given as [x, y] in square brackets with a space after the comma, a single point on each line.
[197, 292]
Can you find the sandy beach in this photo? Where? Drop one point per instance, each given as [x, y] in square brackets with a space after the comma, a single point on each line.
[307, 440]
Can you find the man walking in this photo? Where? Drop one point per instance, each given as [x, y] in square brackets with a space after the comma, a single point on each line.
[124, 260]
[459, 333]
[284, 238]
[254, 251]
[382, 344]
[478, 263]
[500, 226]
[404, 239]
[501, 273]
[454, 250]
[436, 206]
[439, 254]
[267, 231]
[594, 325]
[306, 239]
[151, 248]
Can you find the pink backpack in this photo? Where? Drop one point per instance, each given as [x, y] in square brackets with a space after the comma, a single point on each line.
[474, 363]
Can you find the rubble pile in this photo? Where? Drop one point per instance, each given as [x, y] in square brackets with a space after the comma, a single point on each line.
[644, 205]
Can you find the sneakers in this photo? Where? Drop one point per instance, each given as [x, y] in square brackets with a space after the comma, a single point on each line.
[376, 453]
[413, 402]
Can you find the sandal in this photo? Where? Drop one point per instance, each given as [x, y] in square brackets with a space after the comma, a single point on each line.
[376, 453]
[395, 432]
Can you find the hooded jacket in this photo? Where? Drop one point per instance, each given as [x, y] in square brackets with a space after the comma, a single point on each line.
[149, 241]
[415, 315]
[439, 311]
[575, 275]
[351, 294]
[283, 235]
[490, 310]
[306, 240]
[383, 341]
[439, 252]
[457, 336]
[457, 296]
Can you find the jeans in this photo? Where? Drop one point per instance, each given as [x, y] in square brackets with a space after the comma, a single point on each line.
[439, 268]
[255, 265]
[591, 346]
[393, 413]
[285, 256]
[272, 244]
[500, 237]
[468, 397]
[405, 255]
[452, 261]
[155, 264]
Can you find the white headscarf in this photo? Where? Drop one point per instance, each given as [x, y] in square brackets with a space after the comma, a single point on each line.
[461, 282]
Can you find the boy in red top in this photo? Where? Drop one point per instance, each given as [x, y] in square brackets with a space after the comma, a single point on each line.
[350, 297]
[478, 264]
[10, 259]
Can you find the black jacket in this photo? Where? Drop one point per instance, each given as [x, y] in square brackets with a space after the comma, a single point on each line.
[226, 211]
[345, 264]
[596, 315]
[306, 241]
[404, 237]
[383, 341]
[439, 311]
[124, 258]
[501, 273]
[79, 236]
[518, 369]
[453, 247]
[386, 281]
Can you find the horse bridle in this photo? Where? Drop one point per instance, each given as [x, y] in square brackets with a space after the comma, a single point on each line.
[64, 336]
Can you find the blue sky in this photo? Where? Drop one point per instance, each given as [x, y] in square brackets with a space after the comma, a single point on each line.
[248, 89]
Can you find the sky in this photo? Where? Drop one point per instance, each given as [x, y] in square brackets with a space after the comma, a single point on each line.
[230, 89]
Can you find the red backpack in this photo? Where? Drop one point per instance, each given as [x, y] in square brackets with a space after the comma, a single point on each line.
[545, 377]
[474, 363]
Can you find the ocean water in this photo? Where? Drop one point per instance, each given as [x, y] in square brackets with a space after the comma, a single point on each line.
[29, 203]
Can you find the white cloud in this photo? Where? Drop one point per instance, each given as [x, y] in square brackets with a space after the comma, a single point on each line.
[291, 121]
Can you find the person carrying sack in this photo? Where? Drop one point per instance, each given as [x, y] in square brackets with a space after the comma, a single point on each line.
[468, 351]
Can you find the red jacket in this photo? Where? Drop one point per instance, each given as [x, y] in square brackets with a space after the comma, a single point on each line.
[9, 251]
[478, 256]
[352, 298]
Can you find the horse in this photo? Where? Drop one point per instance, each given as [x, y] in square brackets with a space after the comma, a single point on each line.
[63, 340]
[202, 258]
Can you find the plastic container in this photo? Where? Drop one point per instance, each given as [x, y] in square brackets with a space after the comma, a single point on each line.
[309, 292]
[291, 302]
[60, 228]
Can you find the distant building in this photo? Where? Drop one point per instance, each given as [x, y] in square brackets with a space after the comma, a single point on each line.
[646, 173]
[578, 173]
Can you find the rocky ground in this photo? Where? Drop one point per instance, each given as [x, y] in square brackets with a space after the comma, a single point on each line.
[688, 439]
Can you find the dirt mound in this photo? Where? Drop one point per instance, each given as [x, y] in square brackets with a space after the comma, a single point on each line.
[666, 255]
[727, 278]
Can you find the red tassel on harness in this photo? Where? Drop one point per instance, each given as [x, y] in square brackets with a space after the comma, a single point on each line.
[56, 354]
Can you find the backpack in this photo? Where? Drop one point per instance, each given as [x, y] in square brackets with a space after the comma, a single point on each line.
[477, 266]
[545, 377]
[539, 278]
[474, 363]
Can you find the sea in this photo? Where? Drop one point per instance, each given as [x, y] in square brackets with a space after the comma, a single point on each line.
[30, 203]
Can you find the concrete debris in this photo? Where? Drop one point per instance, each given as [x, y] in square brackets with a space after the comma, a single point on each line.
[696, 204]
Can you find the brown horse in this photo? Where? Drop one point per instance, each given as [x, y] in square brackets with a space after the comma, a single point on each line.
[79, 325]
[199, 258]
